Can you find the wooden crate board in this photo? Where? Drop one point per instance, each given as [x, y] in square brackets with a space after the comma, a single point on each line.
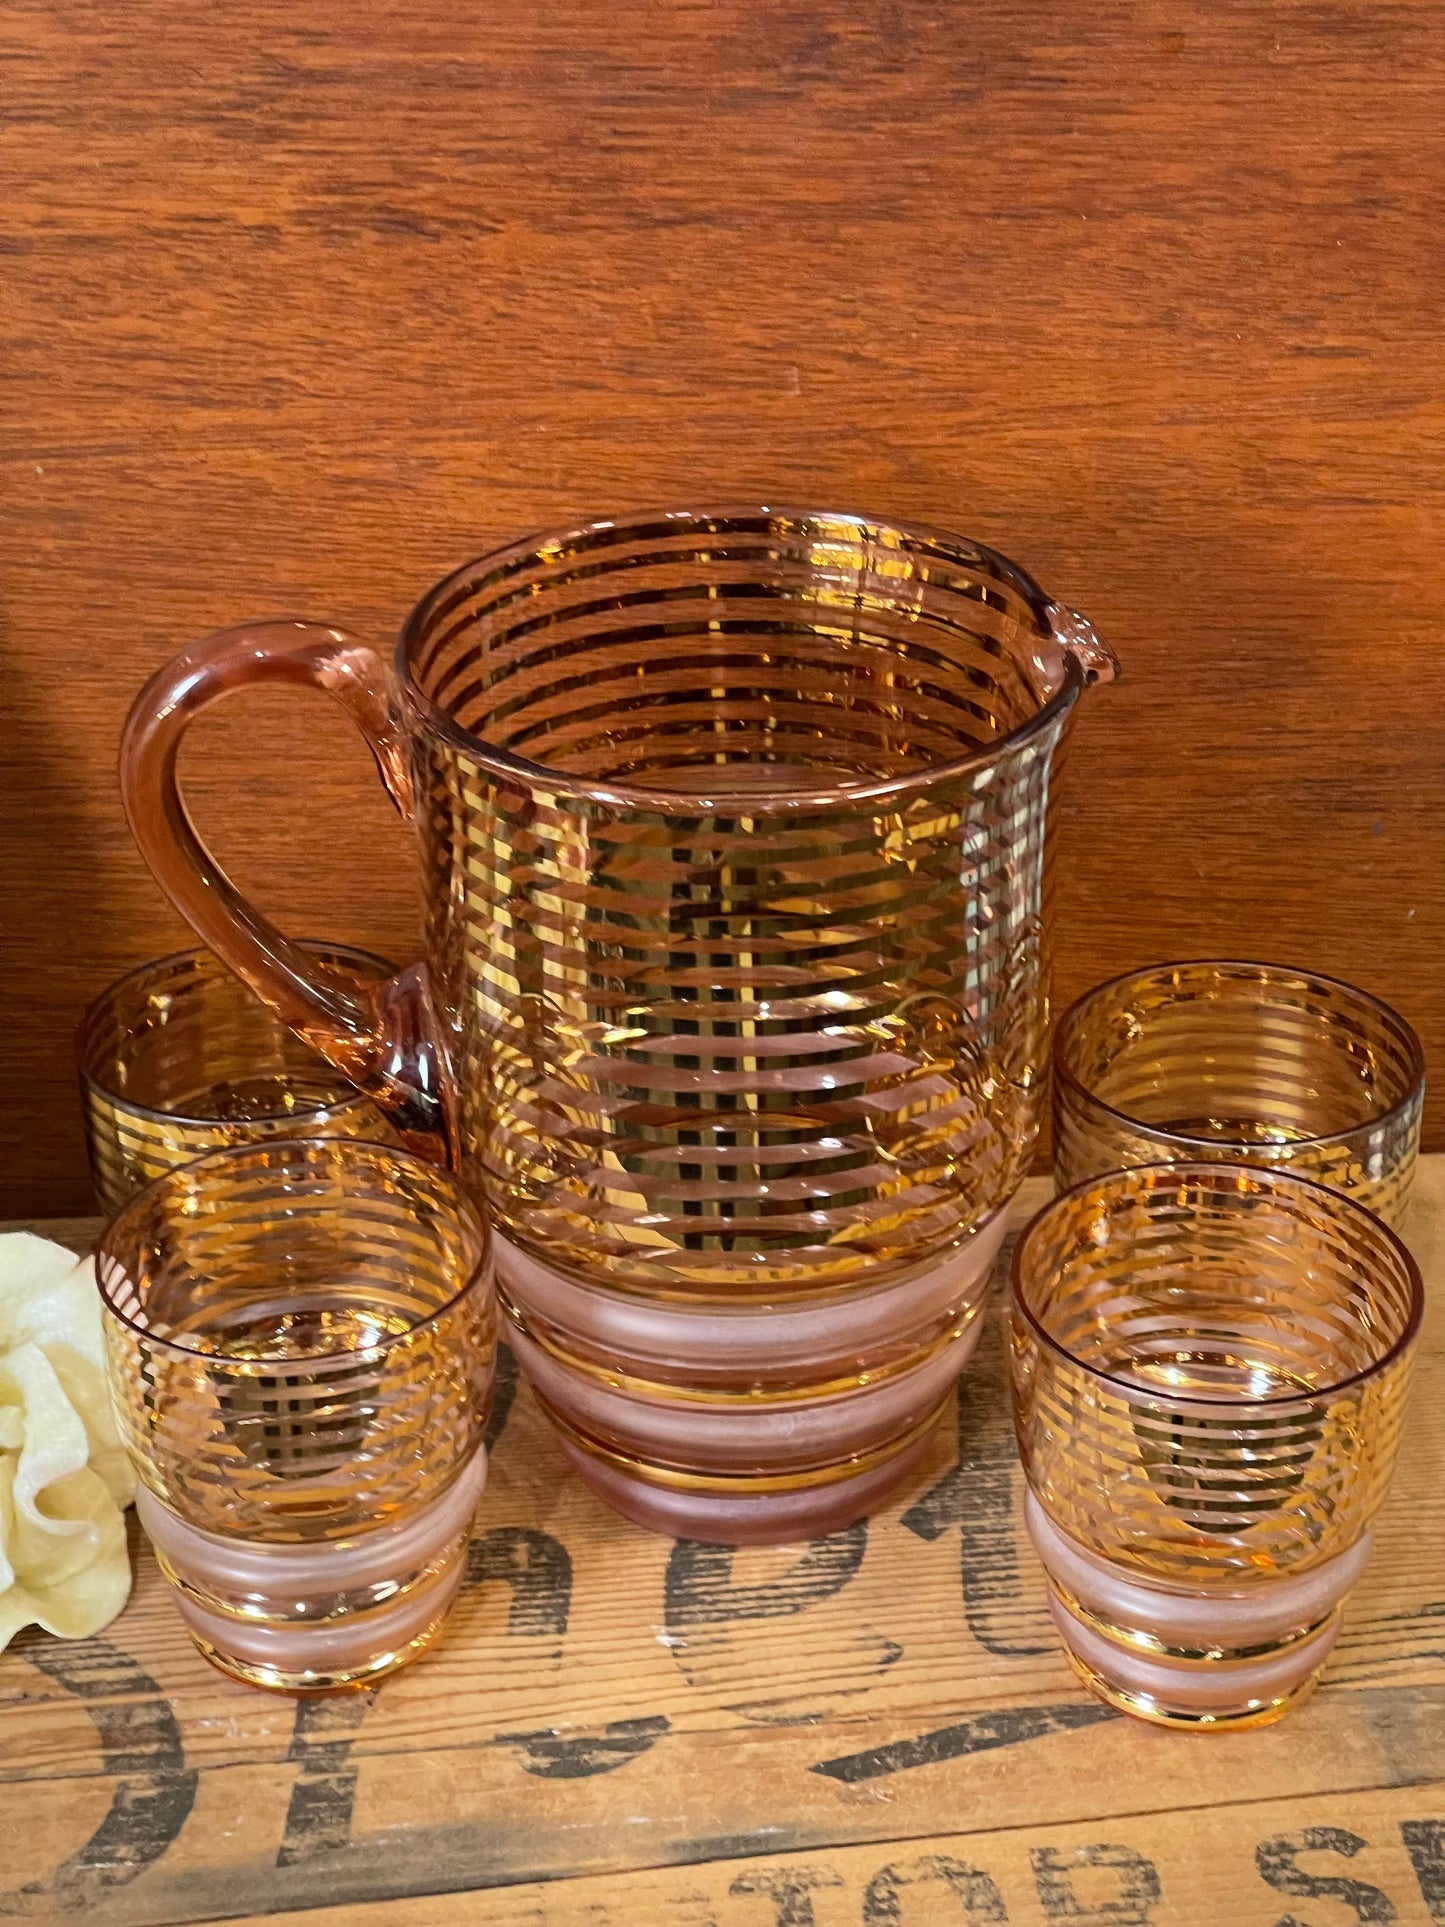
[1376, 1856]
[619, 1728]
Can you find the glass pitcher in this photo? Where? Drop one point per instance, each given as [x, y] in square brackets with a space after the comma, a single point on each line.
[734, 1000]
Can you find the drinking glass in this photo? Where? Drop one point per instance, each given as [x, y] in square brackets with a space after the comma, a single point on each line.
[1209, 1365]
[1249, 1062]
[301, 1337]
[178, 1058]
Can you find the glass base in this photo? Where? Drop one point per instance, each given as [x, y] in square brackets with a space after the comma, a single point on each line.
[327, 1616]
[314, 1684]
[1141, 1707]
[1207, 1659]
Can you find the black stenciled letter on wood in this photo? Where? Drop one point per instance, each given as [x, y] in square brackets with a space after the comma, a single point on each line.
[977, 1897]
[318, 1816]
[1278, 1864]
[537, 1567]
[700, 1590]
[977, 1496]
[790, 1890]
[141, 1746]
[1133, 1879]
[1425, 1843]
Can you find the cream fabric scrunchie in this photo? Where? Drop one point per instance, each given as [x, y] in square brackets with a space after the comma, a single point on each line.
[64, 1478]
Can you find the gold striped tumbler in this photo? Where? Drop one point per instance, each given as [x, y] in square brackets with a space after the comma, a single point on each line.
[178, 1058]
[1210, 1364]
[301, 1338]
[1252, 1063]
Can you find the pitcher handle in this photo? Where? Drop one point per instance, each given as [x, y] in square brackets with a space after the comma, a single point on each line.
[384, 1038]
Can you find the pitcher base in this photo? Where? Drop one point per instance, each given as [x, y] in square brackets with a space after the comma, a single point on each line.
[747, 1519]
[798, 1418]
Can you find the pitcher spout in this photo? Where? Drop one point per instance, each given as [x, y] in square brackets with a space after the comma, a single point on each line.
[1076, 635]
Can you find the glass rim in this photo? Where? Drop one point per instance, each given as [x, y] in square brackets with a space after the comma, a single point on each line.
[1268, 1177]
[507, 767]
[96, 1007]
[347, 1148]
[1404, 1031]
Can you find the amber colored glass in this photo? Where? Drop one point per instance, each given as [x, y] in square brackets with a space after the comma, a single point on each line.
[1249, 1062]
[178, 1058]
[301, 1338]
[735, 996]
[1210, 1365]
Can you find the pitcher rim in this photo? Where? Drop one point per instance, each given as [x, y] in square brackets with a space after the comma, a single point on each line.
[515, 770]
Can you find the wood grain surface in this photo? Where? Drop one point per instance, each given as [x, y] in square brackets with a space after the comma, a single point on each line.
[616, 1729]
[304, 304]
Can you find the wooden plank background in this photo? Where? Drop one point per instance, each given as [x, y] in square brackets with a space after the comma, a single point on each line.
[878, 1727]
[302, 304]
